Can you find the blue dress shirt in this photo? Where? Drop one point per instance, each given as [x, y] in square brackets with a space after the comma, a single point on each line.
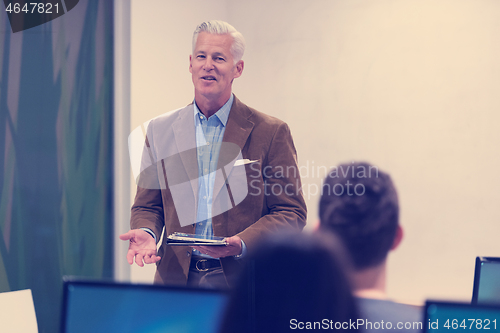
[209, 134]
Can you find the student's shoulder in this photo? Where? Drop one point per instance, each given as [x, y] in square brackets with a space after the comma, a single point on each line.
[376, 310]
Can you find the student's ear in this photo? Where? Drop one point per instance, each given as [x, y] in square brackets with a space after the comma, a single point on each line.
[316, 226]
[398, 238]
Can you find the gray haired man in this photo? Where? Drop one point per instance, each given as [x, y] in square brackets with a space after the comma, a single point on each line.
[195, 140]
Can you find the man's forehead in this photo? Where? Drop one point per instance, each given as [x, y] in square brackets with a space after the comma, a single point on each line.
[216, 43]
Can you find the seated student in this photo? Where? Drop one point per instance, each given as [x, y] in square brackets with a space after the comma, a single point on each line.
[360, 204]
[292, 282]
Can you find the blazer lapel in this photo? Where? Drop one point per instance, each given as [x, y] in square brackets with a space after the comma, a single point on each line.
[185, 141]
[238, 128]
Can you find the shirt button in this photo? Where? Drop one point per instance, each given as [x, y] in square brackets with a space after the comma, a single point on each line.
[204, 197]
[206, 170]
[208, 143]
[201, 117]
[200, 224]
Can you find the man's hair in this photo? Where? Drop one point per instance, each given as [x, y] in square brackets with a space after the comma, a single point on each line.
[222, 28]
[360, 204]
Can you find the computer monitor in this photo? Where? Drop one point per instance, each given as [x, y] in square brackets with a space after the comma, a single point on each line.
[121, 307]
[486, 281]
[460, 317]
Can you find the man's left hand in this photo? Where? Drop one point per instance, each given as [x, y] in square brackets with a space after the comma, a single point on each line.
[233, 248]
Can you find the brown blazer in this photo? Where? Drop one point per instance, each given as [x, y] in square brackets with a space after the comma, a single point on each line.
[274, 201]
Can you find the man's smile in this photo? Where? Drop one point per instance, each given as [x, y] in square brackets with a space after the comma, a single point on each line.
[209, 78]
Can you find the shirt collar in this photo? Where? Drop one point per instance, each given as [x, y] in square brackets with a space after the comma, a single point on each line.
[222, 113]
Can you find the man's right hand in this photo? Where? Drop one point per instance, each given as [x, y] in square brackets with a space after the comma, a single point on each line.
[142, 246]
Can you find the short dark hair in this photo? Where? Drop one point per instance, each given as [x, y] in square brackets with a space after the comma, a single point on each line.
[366, 218]
[290, 276]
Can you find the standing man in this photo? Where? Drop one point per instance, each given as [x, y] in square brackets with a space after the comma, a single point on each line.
[193, 165]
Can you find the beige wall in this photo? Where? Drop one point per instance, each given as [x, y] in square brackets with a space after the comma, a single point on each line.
[411, 86]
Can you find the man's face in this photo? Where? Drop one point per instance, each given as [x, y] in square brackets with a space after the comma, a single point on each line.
[212, 66]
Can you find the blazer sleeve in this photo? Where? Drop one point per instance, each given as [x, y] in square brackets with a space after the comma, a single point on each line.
[147, 210]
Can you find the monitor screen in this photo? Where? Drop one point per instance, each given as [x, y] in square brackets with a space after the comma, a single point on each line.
[465, 317]
[117, 307]
[486, 281]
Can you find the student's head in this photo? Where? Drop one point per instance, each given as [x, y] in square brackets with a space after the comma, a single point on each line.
[289, 280]
[360, 204]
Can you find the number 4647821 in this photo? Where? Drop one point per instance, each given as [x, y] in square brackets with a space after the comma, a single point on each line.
[32, 8]
[471, 324]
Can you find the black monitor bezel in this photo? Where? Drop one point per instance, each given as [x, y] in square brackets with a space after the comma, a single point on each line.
[477, 275]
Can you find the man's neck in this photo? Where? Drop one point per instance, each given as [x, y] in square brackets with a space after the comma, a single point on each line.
[370, 282]
[209, 106]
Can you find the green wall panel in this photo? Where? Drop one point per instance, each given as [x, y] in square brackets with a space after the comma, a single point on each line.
[56, 107]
